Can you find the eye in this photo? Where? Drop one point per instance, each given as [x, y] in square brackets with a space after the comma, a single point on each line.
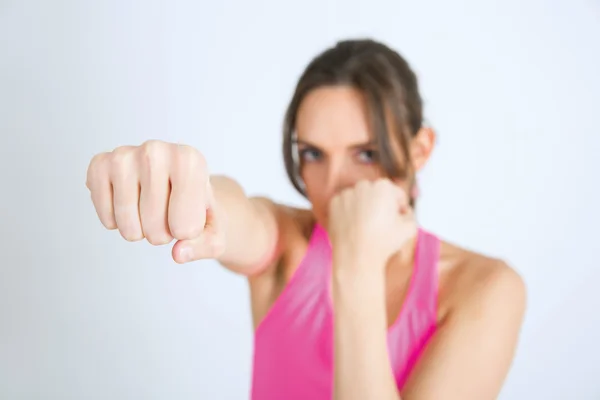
[368, 156]
[309, 154]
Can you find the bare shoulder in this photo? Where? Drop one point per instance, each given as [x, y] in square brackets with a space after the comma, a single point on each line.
[294, 225]
[476, 284]
[291, 221]
[472, 350]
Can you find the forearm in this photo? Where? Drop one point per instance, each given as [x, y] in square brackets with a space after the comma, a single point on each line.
[362, 367]
[250, 227]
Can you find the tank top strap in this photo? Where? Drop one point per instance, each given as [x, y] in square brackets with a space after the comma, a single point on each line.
[317, 258]
[425, 282]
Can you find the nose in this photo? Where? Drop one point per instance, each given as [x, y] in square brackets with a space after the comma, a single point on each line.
[339, 176]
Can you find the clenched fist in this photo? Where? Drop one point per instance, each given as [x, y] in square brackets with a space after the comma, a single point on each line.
[158, 191]
[370, 222]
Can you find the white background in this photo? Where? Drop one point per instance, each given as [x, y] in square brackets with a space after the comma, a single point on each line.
[512, 88]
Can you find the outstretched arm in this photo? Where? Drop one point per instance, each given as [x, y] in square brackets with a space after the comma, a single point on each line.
[250, 225]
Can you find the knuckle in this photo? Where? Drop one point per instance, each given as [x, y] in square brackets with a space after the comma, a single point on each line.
[188, 154]
[96, 167]
[384, 185]
[97, 158]
[382, 182]
[188, 162]
[154, 143]
[189, 166]
[152, 156]
[363, 187]
[120, 158]
[153, 150]
[97, 161]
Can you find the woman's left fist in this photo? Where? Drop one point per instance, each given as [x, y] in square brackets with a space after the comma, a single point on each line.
[368, 223]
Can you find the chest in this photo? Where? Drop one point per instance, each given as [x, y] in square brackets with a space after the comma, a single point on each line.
[296, 335]
[396, 291]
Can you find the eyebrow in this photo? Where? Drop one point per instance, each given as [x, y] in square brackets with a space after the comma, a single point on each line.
[354, 146]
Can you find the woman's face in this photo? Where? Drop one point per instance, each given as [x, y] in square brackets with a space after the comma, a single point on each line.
[335, 144]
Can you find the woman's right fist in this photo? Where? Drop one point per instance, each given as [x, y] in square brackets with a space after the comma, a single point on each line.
[158, 191]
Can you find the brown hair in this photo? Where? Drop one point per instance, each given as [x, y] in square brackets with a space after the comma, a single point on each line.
[392, 95]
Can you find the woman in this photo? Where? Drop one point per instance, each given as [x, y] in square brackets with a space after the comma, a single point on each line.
[416, 318]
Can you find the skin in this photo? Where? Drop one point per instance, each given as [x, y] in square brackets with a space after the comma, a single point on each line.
[164, 192]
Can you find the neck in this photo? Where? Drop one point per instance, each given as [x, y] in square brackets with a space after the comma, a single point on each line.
[404, 258]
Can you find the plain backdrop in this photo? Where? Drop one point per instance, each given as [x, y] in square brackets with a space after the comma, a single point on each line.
[512, 88]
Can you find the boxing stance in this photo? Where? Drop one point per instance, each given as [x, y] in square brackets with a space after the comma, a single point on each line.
[351, 298]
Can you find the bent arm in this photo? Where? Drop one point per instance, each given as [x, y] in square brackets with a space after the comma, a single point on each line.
[472, 352]
[362, 368]
[251, 228]
[468, 358]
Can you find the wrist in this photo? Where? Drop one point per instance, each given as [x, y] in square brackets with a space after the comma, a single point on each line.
[352, 280]
[359, 297]
[357, 262]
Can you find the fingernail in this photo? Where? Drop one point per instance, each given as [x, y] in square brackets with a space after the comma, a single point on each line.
[185, 253]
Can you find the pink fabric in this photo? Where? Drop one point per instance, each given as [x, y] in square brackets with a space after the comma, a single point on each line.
[293, 345]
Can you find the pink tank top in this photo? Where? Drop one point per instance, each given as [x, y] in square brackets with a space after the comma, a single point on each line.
[293, 345]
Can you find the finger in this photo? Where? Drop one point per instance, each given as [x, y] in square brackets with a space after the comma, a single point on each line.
[154, 195]
[209, 245]
[126, 185]
[185, 251]
[211, 242]
[98, 182]
[187, 203]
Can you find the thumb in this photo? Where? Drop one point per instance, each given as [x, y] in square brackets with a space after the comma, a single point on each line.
[211, 242]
